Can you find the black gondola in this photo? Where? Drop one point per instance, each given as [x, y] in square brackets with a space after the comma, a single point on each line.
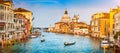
[42, 40]
[68, 43]
[43, 35]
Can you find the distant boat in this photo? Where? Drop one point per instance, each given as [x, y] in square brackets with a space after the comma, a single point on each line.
[43, 35]
[69, 43]
[42, 40]
[106, 43]
[36, 32]
[33, 36]
[87, 36]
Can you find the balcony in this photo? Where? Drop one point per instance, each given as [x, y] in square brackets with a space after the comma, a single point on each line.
[19, 31]
[2, 31]
[2, 20]
[2, 25]
[11, 29]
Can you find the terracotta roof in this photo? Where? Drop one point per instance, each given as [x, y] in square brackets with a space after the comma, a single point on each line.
[21, 10]
[66, 24]
[105, 15]
[20, 16]
[58, 22]
[81, 23]
[1, 1]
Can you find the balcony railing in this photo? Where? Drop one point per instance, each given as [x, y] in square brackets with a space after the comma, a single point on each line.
[2, 31]
[11, 29]
[2, 20]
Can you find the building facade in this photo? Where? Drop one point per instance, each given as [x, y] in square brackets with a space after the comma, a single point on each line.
[72, 26]
[100, 25]
[117, 26]
[6, 19]
[80, 28]
[19, 27]
[28, 15]
[116, 22]
[112, 13]
[57, 27]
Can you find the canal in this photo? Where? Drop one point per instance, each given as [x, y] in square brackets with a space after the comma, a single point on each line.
[54, 43]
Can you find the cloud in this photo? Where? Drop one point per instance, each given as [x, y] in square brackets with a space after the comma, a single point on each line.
[45, 1]
[49, 14]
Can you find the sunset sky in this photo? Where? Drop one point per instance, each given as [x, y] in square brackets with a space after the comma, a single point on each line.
[48, 12]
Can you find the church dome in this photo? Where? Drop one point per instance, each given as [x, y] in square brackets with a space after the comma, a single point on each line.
[65, 17]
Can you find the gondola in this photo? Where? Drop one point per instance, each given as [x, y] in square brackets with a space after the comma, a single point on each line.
[68, 43]
[42, 40]
[43, 35]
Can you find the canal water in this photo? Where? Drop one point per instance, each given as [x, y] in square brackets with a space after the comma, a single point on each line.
[54, 43]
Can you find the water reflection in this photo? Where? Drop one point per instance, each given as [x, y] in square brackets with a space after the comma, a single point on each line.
[54, 43]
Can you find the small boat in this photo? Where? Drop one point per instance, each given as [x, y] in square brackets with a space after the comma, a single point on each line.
[87, 36]
[33, 36]
[43, 35]
[68, 43]
[42, 40]
[106, 43]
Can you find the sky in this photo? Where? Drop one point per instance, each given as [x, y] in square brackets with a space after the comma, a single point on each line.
[48, 12]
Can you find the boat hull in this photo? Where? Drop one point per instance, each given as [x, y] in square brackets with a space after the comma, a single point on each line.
[68, 44]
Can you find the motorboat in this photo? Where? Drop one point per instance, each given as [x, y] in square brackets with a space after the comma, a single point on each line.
[69, 43]
[42, 40]
[105, 43]
[33, 36]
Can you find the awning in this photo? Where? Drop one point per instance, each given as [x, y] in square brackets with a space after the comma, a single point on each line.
[2, 23]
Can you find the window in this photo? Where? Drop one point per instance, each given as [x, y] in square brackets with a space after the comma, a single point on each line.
[20, 21]
[1, 27]
[1, 7]
[1, 16]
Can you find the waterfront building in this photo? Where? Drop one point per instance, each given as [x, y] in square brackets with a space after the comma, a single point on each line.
[100, 25]
[80, 28]
[57, 27]
[6, 19]
[80, 31]
[116, 22]
[65, 28]
[62, 26]
[117, 26]
[50, 28]
[72, 26]
[19, 25]
[27, 25]
[112, 13]
[28, 14]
